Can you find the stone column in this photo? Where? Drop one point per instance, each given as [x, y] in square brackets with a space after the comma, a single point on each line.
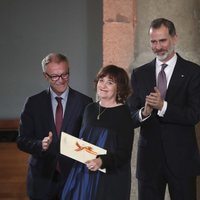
[118, 32]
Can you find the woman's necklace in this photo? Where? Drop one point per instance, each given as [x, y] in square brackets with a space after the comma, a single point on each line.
[100, 112]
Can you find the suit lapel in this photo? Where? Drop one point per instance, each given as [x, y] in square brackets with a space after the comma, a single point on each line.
[151, 77]
[49, 109]
[176, 81]
[69, 109]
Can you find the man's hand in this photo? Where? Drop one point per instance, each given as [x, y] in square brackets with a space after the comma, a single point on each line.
[154, 99]
[147, 110]
[47, 141]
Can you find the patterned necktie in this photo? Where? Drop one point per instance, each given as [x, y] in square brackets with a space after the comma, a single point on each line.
[59, 115]
[162, 81]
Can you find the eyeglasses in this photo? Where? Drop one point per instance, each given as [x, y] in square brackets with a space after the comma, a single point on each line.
[56, 77]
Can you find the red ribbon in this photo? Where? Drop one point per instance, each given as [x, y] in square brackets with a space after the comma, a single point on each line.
[86, 148]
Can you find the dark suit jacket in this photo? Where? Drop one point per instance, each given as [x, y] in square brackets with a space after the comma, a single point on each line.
[170, 138]
[36, 122]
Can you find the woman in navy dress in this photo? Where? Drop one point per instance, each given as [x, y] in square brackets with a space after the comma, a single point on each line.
[107, 124]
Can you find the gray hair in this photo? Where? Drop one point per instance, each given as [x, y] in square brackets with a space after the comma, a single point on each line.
[53, 57]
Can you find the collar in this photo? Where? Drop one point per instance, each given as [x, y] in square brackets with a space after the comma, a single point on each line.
[170, 62]
[64, 95]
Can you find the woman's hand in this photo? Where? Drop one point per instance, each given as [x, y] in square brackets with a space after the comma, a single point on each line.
[94, 165]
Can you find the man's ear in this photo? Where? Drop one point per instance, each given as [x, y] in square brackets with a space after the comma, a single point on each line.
[45, 76]
[175, 39]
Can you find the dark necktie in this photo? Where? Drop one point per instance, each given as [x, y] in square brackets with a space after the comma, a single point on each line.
[162, 81]
[59, 115]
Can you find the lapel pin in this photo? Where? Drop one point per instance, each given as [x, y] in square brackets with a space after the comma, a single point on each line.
[182, 76]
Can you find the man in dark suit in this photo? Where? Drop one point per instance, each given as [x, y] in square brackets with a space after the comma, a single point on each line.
[38, 135]
[167, 148]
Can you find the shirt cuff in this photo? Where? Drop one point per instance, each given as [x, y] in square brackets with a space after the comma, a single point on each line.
[141, 119]
[161, 112]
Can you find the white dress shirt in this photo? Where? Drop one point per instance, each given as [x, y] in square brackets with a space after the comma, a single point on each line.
[168, 71]
[55, 103]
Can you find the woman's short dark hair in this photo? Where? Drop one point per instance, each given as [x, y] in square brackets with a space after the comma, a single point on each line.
[120, 77]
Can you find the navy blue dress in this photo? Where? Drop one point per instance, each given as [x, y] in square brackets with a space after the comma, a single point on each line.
[113, 132]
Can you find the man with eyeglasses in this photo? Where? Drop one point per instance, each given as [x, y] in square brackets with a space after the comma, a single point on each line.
[38, 132]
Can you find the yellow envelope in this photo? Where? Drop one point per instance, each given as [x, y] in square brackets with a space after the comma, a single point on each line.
[79, 149]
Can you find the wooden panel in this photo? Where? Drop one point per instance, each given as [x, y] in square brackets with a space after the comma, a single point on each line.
[13, 169]
[9, 124]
